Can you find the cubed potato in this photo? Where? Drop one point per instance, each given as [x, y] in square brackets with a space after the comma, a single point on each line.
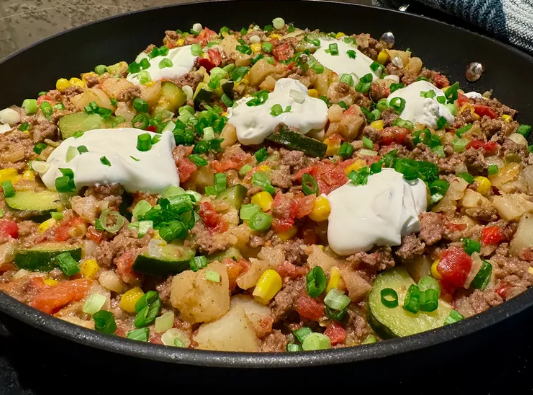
[198, 299]
[506, 174]
[457, 189]
[233, 332]
[523, 238]
[473, 199]
[229, 45]
[113, 87]
[415, 65]
[512, 207]
[418, 267]
[357, 286]
[260, 71]
[268, 258]
[318, 257]
[91, 95]
[268, 84]
[229, 134]
[151, 94]
[201, 178]
[259, 315]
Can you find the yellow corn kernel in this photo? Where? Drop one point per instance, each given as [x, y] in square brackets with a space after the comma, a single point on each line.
[358, 164]
[130, 298]
[62, 84]
[333, 146]
[530, 270]
[340, 34]
[263, 200]
[49, 223]
[378, 125]
[263, 168]
[274, 35]
[383, 56]
[434, 271]
[225, 114]
[28, 175]
[149, 84]
[288, 234]
[267, 286]
[334, 279]
[89, 269]
[321, 247]
[256, 47]
[312, 93]
[180, 42]
[506, 118]
[9, 174]
[483, 184]
[77, 82]
[50, 282]
[321, 209]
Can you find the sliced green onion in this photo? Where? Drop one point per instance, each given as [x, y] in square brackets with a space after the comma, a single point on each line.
[94, 303]
[100, 69]
[82, 149]
[524, 130]
[452, 108]
[367, 143]
[144, 77]
[302, 333]
[451, 93]
[104, 322]
[72, 152]
[140, 334]
[141, 208]
[276, 110]
[309, 185]
[346, 150]
[59, 106]
[317, 68]
[47, 110]
[347, 78]
[29, 106]
[7, 186]
[267, 47]
[260, 179]
[453, 317]
[336, 299]
[197, 263]
[442, 100]
[226, 100]
[39, 147]
[220, 182]
[428, 94]
[291, 347]
[245, 49]
[140, 105]
[67, 264]
[316, 341]
[397, 104]
[238, 74]
[467, 177]
[145, 64]
[316, 282]
[57, 216]
[359, 177]
[278, 23]
[144, 227]
[260, 221]
[333, 49]
[140, 121]
[198, 160]
[210, 190]
[261, 155]
[244, 170]
[408, 167]
[459, 145]
[209, 133]
[428, 282]
[470, 246]
[482, 278]
[248, 210]
[382, 105]
[211, 275]
[439, 150]
[105, 161]
[165, 63]
[459, 132]
[389, 297]
[493, 169]
[144, 142]
[65, 184]
[395, 86]
[196, 49]
[370, 339]
[119, 221]
[411, 302]
[441, 122]
[429, 300]
[147, 308]
[351, 54]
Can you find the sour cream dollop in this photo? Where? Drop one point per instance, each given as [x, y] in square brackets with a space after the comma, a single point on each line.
[137, 171]
[182, 62]
[420, 109]
[255, 123]
[343, 63]
[378, 213]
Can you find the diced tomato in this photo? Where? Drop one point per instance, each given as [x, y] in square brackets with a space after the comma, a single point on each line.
[51, 299]
[235, 269]
[482, 110]
[211, 218]
[491, 147]
[234, 162]
[206, 63]
[44, 98]
[454, 266]
[306, 205]
[155, 338]
[283, 51]
[152, 128]
[9, 229]
[309, 308]
[492, 235]
[462, 99]
[94, 235]
[476, 144]
[503, 288]
[393, 135]
[62, 231]
[455, 227]
[206, 35]
[336, 333]
[215, 56]
[440, 80]
[185, 169]
[287, 269]
[285, 210]
[125, 263]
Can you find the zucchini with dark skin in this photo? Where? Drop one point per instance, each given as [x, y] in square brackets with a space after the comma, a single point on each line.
[233, 195]
[231, 253]
[79, 122]
[298, 142]
[203, 95]
[40, 203]
[40, 258]
[174, 259]
[396, 321]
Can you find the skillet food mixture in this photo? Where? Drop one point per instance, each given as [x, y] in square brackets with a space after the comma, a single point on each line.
[266, 189]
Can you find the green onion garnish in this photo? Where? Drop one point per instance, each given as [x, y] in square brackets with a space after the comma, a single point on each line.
[261, 155]
[382, 105]
[333, 49]
[198, 160]
[139, 334]
[482, 278]
[105, 161]
[260, 179]
[470, 246]
[226, 100]
[292, 347]
[144, 142]
[389, 297]
[24, 126]
[428, 94]
[267, 47]
[140, 105]
[397, 104]
[47, 110]
[165, 63]
[247, 211]
[277, 110]
[367, 143]
[94, 303]
[459, 132]
[316, 341]
[7, 186]
[147, 308]
[140, 121]
[104, 322]
[346, 150]
[359, 177]
[467, 177]
[429, 300]
[67, 264]
[100, 69]
[395, 86]
[402, 123]
[211, 275]
[347, 78]
[441, 122]
[309, 184]
[336, 299]
[244, 170]
[238, 74]
[351, 54]
[412, 299]
[302, 333]
[245, 49]
[493, 169]
[454, 317]
[317, 68]
[220, 182]
[260, 221]
[39, 147]
[196, 49]
[524, 130]
[29, 106]
[459, 145]
[258, 99]
[144, 77]
[119, 221]
[370, 339]
[197, 263]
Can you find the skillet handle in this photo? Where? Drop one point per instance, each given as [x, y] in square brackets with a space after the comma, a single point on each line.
[403, 7]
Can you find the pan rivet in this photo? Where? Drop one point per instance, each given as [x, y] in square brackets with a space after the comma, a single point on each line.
[474, 71]
[387, 40]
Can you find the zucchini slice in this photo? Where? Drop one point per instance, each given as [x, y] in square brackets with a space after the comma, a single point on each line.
[234, 195]
[79, 122]
[172, 97]
[398, 322]
[299, 142]
[174, 259]
[231, 253]
[40, 258]
[38, 202]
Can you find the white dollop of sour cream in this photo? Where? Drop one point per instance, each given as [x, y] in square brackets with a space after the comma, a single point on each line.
[182, 62]
[255, 123]
[420, 109]
[378, 213]
[137, 171]
[343, 63]
[474, 95]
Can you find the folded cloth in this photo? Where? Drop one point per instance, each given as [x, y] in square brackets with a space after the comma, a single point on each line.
[507, 20]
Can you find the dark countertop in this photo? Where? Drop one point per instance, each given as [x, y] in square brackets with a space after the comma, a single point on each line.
[494, 361]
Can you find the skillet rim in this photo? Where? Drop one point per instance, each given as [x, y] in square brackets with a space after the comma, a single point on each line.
[65, 330]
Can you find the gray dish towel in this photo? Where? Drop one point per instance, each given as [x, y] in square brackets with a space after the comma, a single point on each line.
[507, 20]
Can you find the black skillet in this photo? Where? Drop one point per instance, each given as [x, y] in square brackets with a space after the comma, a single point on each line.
[441, 46]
